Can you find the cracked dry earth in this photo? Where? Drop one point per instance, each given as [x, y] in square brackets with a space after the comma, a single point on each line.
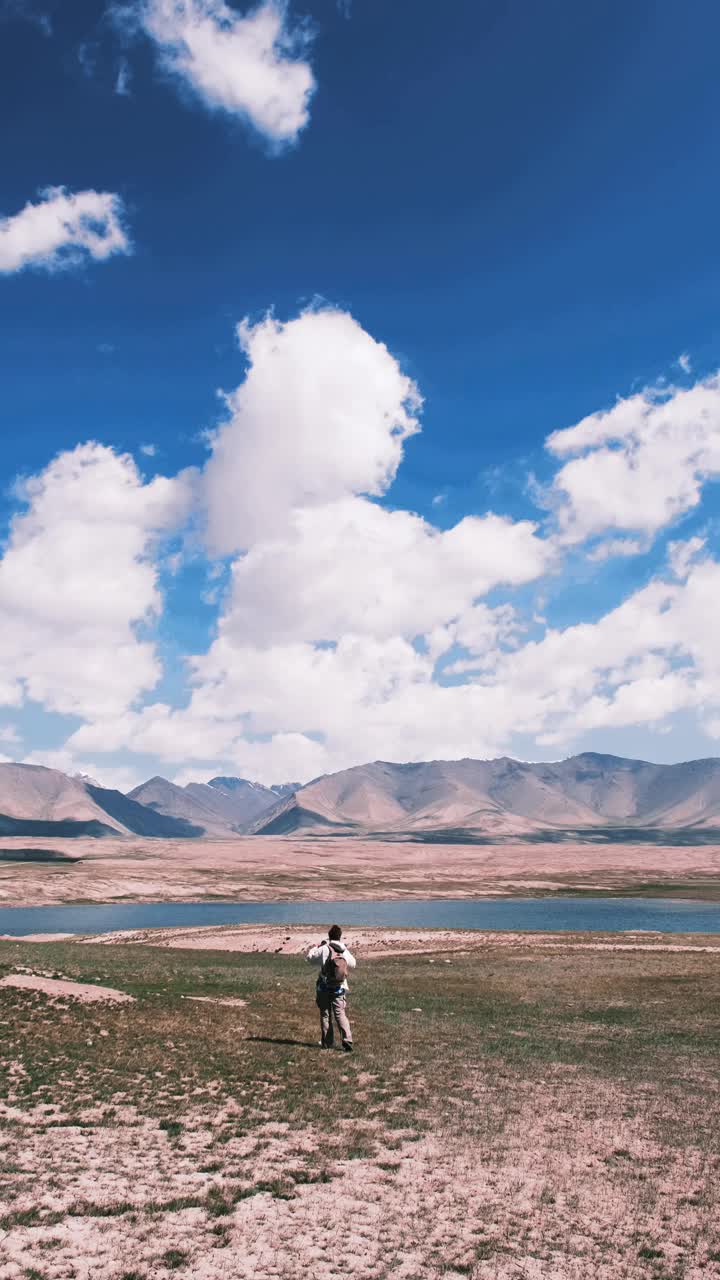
[539, 1182]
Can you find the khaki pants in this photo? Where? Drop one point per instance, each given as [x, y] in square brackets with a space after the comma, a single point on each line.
[333, 1006]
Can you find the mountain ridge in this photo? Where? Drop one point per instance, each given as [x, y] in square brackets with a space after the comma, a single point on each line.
[224, 806]
[35, 800]
[504, 796]
[499, 798]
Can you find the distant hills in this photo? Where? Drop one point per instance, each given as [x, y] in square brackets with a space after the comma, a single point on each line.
[503, 797]
[221, 807]
[43, 802]
[452, 799]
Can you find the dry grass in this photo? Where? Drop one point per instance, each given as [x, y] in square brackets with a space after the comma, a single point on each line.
[517, 1112]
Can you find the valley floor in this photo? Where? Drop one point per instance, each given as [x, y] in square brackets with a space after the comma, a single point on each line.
[530, 1108]
[283, 868]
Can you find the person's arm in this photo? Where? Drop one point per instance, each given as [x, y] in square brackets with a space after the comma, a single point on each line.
[316, 955]
[351, 961]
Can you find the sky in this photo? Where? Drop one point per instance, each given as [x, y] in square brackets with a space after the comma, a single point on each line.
[360, 390]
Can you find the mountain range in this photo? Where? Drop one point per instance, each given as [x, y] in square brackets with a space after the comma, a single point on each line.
[38, 801]
[500, 799]
[221, 807]
[503, 797]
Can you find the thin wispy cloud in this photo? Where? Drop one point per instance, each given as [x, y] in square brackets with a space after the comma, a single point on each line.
[87, 54]
[26, 11]
[123, 79]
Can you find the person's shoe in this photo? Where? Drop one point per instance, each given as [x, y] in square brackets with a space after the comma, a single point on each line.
[347, 1047]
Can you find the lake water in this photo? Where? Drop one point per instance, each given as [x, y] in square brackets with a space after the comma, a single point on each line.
[551, 914]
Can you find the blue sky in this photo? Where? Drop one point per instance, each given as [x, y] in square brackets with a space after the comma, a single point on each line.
[520, 203]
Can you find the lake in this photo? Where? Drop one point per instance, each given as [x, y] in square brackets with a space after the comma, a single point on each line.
[548, 914]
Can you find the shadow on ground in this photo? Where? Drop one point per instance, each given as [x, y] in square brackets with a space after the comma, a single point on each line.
[298, 1044]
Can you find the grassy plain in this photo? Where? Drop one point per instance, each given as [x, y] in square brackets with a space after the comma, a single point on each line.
[512, 1111]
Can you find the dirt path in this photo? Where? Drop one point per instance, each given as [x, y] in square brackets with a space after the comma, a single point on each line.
[62, 987]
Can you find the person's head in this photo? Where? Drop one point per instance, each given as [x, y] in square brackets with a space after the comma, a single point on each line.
[334, 933]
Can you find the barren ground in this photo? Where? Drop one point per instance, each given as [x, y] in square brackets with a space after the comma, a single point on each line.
[286, 868]
[531, 1108]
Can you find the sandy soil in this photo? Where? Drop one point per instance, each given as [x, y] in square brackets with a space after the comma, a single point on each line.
[61, 987]
[288, 868]
[38, 937]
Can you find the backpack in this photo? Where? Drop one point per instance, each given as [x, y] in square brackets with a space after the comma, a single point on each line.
[335, 969]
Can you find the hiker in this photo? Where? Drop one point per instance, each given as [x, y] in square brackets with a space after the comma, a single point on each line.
[332, 987]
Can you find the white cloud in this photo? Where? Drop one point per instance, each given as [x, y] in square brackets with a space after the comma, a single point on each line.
[298, 709]
[640, 465]
[76, 580]
[63, 229]
[617, 547]
[352, 567]
[651, 656]
[483, 633]
[682, 554]
[116, 777]
[274, 705]
[287, 711]
[684, 362]
[249, 65]
[323, 413]
[348, 631]
[149, 450]
[158, 730]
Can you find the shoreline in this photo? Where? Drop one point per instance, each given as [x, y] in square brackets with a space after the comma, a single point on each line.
[374, 941]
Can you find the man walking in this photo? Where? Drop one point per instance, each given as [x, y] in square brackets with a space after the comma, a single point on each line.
[332, 987]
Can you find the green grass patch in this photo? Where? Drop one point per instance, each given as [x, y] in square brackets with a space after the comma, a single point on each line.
[174, 1258]
[173, 1128]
